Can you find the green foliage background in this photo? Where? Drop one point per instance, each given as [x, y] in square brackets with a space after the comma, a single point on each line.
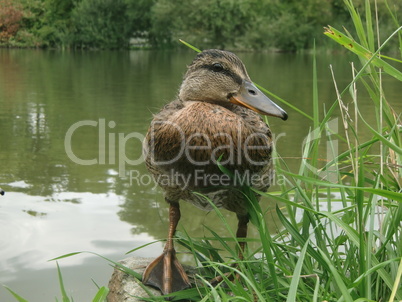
[286, 25]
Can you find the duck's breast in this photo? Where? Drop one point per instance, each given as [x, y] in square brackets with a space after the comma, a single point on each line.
[188, 141]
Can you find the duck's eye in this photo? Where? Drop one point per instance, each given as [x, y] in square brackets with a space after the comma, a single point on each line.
[217, 67]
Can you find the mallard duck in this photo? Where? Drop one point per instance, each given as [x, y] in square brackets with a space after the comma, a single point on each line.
[214, 119]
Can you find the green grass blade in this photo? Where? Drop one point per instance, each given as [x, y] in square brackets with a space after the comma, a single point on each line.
[286, 201]
[369, 26]
[213, 294]
[66, 256]
[337, 278]
[189, 45]
[362, 52]
[381, 137]
[15, 295]
[354, 237]
[397, 283]
[61, 283]
[257, 218]
[284, 102]
[316, 290]
[299, 238]
[119, 265]
[357, 21]
[292, 294]
[101, 295]
[144, 245]
[373, 269]
[316, 117]
[388, 194]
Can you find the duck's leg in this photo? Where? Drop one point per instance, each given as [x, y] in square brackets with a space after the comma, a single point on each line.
[242, 233]
[165, 272]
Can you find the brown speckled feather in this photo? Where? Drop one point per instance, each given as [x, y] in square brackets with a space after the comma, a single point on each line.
[188, 138]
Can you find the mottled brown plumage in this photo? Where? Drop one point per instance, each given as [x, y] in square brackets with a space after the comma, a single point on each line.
[213, 119]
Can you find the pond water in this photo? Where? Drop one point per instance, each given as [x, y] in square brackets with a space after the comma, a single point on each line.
[70, 162]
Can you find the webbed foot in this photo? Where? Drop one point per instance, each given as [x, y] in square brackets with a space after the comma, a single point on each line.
[166, 273]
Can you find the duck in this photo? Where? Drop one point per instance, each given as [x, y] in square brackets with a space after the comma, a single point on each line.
[215, 121]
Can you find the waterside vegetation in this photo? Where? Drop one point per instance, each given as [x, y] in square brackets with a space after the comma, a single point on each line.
[226, 24]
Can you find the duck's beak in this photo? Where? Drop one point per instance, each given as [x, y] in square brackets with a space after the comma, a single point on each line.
[251, 97]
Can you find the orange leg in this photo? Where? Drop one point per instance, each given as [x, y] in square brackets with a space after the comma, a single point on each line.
[165, 272]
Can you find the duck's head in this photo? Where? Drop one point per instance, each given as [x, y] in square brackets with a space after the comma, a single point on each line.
[219, 76]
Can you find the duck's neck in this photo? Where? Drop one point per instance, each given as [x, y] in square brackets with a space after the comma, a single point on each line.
[225, 104]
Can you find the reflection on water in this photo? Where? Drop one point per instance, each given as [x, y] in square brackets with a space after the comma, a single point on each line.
[67, 194]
